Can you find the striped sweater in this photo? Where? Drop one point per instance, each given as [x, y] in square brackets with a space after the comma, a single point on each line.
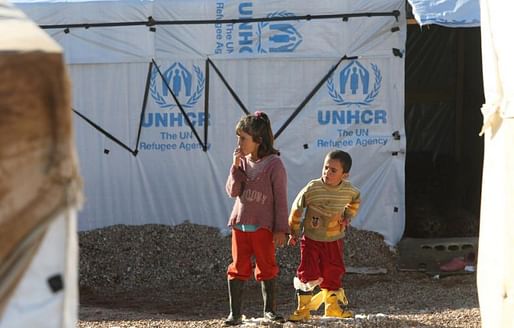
[321, 212]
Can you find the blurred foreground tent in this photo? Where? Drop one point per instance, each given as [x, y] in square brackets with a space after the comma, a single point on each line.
[39, 182]
[496, 239]
[495, 275]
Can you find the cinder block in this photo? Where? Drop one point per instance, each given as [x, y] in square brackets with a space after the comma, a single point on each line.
[427, 255]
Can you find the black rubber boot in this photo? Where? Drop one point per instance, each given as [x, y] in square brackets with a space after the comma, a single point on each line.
[270, 300]
[235, 291]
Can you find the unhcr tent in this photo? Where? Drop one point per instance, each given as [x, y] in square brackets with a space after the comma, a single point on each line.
[40, 186]
[158, 87]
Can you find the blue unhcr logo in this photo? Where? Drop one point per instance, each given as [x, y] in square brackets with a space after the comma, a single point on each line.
[276, 37]
[188, 88]
[264, 37]
[352, 85]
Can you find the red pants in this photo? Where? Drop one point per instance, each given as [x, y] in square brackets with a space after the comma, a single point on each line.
[247, 244]
[321, 259]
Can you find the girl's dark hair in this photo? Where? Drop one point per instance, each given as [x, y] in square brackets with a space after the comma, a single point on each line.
[343, 157]
[258, 126]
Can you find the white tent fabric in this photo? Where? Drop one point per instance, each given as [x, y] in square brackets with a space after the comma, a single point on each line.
[449, 13]
[40, 188]
[271, 66]
[495, 274]
[34, 303]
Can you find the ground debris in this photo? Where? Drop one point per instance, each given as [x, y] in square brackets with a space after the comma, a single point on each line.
[174, 276]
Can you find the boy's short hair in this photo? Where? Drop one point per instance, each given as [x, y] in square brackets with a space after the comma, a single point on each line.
[343, 157]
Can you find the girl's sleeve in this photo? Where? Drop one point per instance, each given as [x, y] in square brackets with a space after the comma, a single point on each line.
[235, 181]
[279, 189]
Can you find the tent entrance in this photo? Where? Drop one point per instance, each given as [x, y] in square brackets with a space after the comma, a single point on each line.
[443, 97]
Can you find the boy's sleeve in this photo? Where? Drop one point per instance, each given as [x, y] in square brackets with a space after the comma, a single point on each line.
[352, 208]
[296, 214]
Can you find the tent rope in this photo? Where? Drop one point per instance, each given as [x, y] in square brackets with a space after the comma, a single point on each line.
[112, 137]
[311, 94]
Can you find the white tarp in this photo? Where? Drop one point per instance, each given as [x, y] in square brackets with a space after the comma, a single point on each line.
[495, 274]
[449, 13]
[272, 66]
[47, 294]
[40, 185]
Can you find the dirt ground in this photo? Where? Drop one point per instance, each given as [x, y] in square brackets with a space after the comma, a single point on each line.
[400, 300]
[162, 276]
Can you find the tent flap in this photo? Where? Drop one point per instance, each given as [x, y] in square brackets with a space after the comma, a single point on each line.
[449, 13]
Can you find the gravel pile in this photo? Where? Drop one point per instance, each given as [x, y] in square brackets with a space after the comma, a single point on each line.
[174, 276]
[125, 258]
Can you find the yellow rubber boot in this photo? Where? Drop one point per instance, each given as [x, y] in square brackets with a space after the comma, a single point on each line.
[332, 308]
[303, 311]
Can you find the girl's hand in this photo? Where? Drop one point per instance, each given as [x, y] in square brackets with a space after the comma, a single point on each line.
[279, 239]
[236, 161]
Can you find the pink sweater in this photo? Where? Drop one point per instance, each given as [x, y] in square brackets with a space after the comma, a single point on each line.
[261, 201]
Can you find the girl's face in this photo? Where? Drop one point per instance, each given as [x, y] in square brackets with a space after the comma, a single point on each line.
[247, 145]
[333, 173]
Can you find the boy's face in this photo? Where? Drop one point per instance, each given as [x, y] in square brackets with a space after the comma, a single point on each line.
[333, 173]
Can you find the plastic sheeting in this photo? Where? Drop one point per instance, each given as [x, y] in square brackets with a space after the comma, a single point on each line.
[449, 13]
[495, 274]
[38, 167]
[271, 65]
[47, 295]
[40, 186]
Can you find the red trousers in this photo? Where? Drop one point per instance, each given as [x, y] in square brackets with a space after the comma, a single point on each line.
[247, 244]
[321, 259]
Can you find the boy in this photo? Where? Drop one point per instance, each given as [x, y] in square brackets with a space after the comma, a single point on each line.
[330, 202]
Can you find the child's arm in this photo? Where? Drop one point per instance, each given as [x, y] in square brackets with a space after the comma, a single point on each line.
[296, 217]
[352, 208]
[280, 207]
[295, 221]
[279, 187]
[235, 181]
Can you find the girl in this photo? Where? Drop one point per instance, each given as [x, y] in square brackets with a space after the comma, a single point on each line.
[258, 181]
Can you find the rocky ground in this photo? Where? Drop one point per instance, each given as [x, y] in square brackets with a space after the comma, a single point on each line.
[162, 276]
